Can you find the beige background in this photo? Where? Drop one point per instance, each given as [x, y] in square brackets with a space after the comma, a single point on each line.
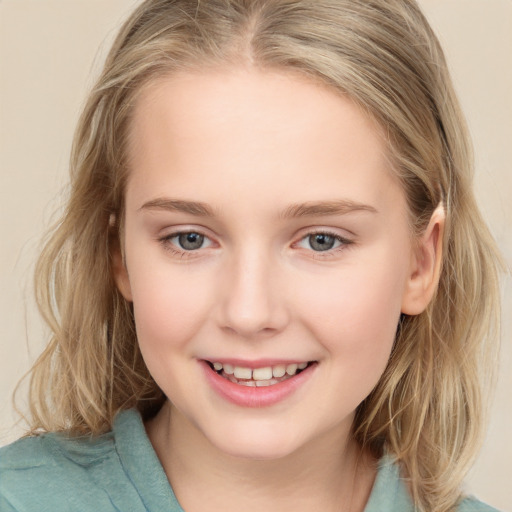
[48, 56]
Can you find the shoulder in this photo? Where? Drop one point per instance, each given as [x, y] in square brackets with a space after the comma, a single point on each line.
[56, 472]
[390, 492]
[471, 504]
[48, 472]
[22, 453]
[50, 450]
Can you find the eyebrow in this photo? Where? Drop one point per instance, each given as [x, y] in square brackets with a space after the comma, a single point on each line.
[192, 207]
[324, 208]
[308, 209]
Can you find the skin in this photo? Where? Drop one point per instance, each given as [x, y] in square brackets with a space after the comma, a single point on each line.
[249, 145]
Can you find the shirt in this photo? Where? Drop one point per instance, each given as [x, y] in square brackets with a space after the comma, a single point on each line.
[120, 471]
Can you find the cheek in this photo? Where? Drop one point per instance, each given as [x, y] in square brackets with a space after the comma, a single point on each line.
[356, 322]
[169, 307]
[355, 312]
[169, 311]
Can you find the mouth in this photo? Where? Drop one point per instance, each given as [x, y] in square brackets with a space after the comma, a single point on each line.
[260, 377]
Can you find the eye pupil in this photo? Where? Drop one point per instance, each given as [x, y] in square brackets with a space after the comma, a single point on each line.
[191, 241]
[321, 242]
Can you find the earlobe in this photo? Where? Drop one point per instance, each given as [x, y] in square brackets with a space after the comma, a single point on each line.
[120, 274]
[425, 266]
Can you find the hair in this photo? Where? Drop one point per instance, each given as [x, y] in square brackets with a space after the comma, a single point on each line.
[427, 409]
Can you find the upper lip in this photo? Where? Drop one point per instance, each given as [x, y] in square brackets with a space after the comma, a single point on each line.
[255, 363]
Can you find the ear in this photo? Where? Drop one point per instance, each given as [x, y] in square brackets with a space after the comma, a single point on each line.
[120, 273]
[425, 266]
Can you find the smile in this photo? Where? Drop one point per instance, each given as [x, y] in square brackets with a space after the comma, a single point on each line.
[260, 386]
[258, 377]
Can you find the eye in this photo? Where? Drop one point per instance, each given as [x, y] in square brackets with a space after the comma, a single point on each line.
[190, 241]
[321, 242]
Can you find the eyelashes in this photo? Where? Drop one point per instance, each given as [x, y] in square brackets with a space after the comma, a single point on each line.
[185, 244]
[323, 241]
[191, 243]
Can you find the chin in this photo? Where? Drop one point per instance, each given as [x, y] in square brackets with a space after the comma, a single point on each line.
[256, 444]
[257, 451]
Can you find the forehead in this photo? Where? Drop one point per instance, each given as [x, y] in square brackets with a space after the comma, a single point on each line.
[219, 95]
[244, 127]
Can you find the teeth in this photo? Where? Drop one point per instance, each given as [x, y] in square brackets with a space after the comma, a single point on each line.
[261, 376]
[263, 383]
[248, 383]
[262, 373]
[227, 368]
[279, 370]
[291, 369]
[243, 373]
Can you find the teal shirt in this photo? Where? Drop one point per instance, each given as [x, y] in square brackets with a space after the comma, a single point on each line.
[120, 472]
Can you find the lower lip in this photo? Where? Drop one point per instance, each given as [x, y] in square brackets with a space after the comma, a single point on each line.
[264, 396]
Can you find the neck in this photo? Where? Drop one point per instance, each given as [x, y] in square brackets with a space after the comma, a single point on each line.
[331, 473]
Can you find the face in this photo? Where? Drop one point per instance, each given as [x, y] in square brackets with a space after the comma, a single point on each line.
[267, 255]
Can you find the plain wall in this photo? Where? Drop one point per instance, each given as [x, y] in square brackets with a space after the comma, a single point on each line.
[48, 57]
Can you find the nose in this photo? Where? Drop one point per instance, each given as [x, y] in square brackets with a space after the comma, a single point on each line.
[253, 300]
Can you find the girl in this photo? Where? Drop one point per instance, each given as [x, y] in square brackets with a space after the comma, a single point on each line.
[271, 288]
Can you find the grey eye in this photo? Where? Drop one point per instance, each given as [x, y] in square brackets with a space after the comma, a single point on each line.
[321, 241]
[190, 241]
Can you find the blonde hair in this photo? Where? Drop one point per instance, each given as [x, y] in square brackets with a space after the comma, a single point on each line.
[426, 411]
